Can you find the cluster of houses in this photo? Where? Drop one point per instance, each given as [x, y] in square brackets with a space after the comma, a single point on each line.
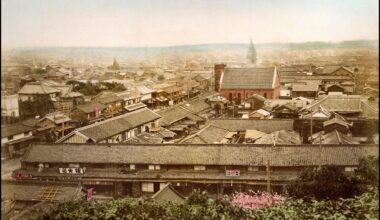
[257, 130]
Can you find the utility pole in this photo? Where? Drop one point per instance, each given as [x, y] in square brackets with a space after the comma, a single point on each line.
[268, 176]
[311, 125]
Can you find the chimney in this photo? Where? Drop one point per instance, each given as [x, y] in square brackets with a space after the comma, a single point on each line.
[218, 69]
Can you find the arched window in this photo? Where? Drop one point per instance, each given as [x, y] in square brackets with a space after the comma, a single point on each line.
[230, 97]
[239, 98]
[265, 95]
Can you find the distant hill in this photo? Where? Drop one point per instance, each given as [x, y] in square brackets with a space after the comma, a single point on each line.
[180, 49]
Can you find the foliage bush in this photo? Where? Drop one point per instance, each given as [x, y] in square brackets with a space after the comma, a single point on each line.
[89, 89]
[199, 206]
[328, 182]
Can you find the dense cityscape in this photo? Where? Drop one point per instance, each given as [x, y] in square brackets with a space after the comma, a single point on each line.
[95, 125]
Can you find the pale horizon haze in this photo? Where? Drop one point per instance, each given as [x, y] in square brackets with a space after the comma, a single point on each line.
[112, 23]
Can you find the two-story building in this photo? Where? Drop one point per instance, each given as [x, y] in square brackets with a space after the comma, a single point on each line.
[135, 170]
[15, 138]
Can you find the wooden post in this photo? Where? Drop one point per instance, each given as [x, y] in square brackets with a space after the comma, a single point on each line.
[268, 176]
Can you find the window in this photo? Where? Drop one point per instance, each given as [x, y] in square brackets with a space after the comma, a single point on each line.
[26, 133]
[154, 167]
[350, 169]
[132, 167]
[10, 137]
[199, 167]
[251, 168]
[147, 187]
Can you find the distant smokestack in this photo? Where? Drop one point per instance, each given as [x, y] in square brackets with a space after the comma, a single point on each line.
[218, 69]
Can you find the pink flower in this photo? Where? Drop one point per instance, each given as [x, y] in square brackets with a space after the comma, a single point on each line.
[256, 200]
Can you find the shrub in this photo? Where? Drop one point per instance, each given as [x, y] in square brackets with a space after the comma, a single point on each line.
[328, 182]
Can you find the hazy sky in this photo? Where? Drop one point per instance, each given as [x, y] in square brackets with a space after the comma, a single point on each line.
[34, 23]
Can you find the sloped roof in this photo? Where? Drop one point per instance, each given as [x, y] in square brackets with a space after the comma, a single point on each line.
[208, 135]
[244, 154]
[254, 134]
[196, 106]
[336, 120]
[13, 129]
[307, 87]
[332, 69]
[176, 113]
[56, 117]
[370, 110]
[337, 103]
[144, 89]
[90, 107]
[264, 125]
[168, 193]
[109, 99]
[248, 78]
[333, 137]
[116, 125]
[280, 137]
[37, 88]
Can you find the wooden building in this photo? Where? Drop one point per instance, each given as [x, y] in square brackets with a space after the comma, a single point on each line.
[136, 170]
[115, 130]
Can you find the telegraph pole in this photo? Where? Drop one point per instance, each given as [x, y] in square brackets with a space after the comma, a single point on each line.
[268, 176]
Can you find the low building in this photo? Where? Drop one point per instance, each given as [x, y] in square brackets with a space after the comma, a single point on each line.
[131, 100]
[88, 113]
[15, 138]
[260, 114]
[203, 82]
[285, 111]
[305, 89]
[146, 95]
[116, 129]
[136, 170]
[58, 122]
[112, 102]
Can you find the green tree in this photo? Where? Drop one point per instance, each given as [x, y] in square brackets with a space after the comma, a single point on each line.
[252, 56]
[368, 171]
[327, 182]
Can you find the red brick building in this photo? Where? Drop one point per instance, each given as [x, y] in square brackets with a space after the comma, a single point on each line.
[238, 84]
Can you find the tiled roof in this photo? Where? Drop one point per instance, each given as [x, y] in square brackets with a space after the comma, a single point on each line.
[90, 107]
[245, 155]
[57, 117]
[305, 87]
[116, 125]
[333, 137]
[280, 137]
[109, 99]
[337, 103]
[37, 88]
[208, 135]
[13, 129]
[264, 125]
[248, 78]
[177, 113]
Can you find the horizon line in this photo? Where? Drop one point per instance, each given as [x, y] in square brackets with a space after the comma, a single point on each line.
[181, 45]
